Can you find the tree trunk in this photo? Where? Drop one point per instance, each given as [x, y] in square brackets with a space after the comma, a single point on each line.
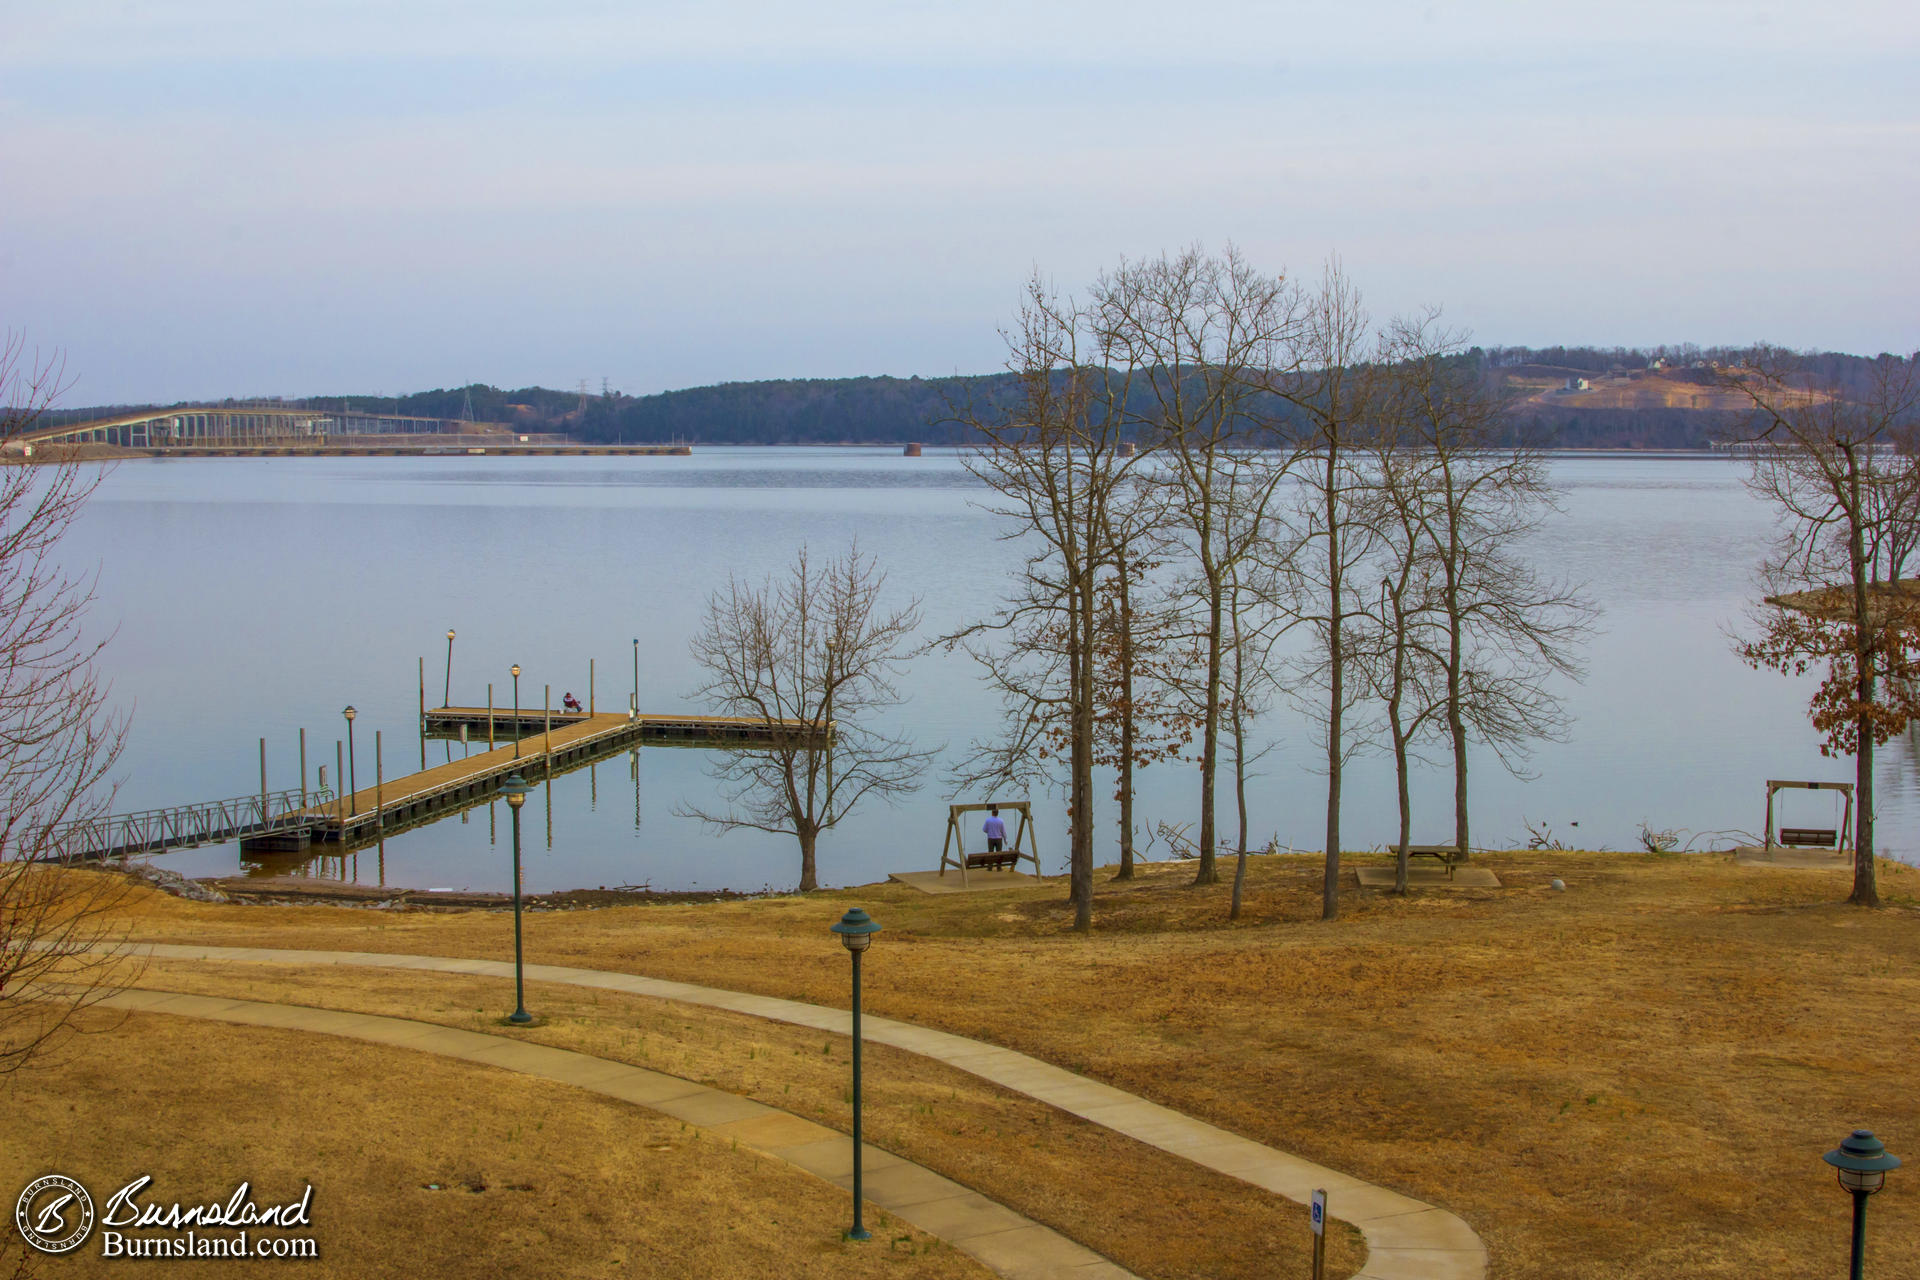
[1210, 745]
[1126, 721]
[806, 835]
[1336, 679]
[1081, 673]
[1239, 881]
[1865, 892]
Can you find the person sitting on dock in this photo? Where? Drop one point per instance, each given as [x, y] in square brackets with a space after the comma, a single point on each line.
[570, 703]
[995, 829]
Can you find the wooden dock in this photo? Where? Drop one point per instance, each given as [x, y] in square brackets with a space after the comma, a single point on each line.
[575, 737]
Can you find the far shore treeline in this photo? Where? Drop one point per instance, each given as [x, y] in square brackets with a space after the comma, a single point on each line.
[1638, 398]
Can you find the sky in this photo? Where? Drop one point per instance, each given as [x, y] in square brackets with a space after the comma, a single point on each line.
[205, 198]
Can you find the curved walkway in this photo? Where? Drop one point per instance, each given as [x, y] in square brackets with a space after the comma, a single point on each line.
[1407, 1239]
[1003, 1240]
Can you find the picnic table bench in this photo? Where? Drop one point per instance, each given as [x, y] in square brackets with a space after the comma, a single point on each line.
[1447, 855]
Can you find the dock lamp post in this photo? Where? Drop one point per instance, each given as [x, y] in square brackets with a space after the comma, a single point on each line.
[446, 698]
[1862, 1162]
[353, 800]
[856, 930]
[515, 789]
[516, 713]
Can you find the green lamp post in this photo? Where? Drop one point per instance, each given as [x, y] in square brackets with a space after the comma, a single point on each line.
[515, 789]
[856, 930]
[1862, 1162]
[353, 798]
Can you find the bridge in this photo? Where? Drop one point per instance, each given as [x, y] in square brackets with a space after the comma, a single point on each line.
[288, 821]
[155, 830]
[272, 422]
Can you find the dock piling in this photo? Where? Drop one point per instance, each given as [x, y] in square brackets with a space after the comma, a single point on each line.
[489, 715]
[340, 771]
[589, 686]
[379, 797]
[423, 693]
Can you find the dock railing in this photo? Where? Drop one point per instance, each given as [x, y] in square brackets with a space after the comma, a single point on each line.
[210, 822]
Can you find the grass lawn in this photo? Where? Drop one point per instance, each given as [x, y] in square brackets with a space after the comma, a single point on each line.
[535, 1179]
[1635, 1077]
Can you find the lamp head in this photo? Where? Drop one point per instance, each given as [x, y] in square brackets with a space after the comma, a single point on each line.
[515, 789]
[856, 929]
[449, 635]
[349, 713]
[516, 671]
[1862, 1162]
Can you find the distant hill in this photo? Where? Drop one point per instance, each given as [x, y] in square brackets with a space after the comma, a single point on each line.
[1568, 397]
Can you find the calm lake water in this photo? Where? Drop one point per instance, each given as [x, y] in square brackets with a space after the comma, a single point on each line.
[252, 598]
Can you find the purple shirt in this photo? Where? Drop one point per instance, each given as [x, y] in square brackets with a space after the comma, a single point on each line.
[994, 828]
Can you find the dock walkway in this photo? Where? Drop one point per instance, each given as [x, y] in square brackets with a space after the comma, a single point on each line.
[405, 800]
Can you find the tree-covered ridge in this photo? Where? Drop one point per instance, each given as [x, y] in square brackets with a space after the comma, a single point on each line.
[1636, 398]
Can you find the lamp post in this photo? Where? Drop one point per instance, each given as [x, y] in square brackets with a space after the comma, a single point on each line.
[353, 800]
[515, 790]
[1862, 1162]
[446, 698]
[516, 712]
[856, 930]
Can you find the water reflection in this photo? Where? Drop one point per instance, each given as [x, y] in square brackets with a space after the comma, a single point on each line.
[254, 597]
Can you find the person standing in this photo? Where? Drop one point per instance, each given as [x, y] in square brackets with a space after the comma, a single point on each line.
[995, 828]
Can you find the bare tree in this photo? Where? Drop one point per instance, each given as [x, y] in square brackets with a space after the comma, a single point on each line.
[1400, 662]
[59, 739]
[1507, 632]
[1839, 465]
[1330, 382]
[814, 648]
[1140, 719]
[1194, 339]
[1056, 462]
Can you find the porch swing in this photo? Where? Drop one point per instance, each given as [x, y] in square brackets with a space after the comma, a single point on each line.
[953, 848]
[1838, 837]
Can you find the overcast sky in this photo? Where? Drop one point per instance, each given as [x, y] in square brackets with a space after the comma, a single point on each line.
[230, 197]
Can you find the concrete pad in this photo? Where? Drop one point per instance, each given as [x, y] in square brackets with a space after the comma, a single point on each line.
[900, 1185]
[1753, 855]
[961, 1218]
[1429, 1228]
[773, 1131]
[977, 881]
[1030, 1253]
[1424, 1264]
[832, 1159]
[1373, 877]
[649, 1088]
[711, 1107]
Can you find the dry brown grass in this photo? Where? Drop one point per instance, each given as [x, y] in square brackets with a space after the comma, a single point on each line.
[538, 1179]
[1122, 1198]
[1633, 1078]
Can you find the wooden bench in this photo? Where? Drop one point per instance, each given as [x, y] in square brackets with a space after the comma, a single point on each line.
[1005, 860]
[1447, 855]
[1809, 837]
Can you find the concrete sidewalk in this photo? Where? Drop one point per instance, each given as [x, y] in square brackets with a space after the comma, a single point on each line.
[1407, 1239]
[1006, 1242]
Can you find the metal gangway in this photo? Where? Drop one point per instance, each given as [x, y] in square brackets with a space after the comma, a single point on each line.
[212, 822]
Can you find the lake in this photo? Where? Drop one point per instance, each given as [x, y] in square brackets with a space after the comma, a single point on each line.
[252, 598]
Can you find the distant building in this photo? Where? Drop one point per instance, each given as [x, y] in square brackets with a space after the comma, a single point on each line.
[1578, 384]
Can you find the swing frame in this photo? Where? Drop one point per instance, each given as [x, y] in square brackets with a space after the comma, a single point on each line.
[1843, 835]
[953, 848]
